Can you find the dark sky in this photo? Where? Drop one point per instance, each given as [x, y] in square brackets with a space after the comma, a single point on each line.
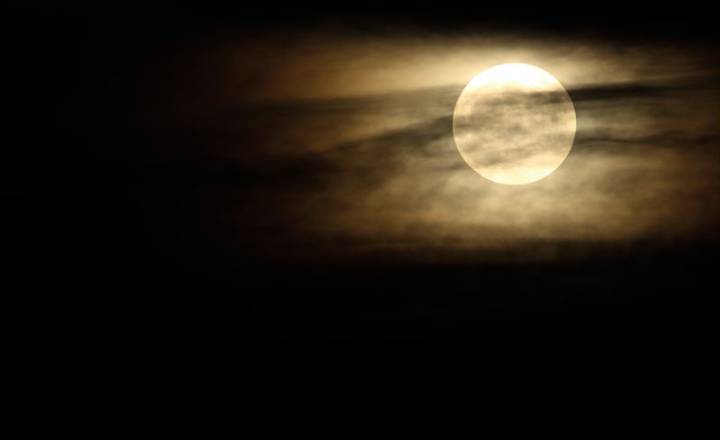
[268, 173]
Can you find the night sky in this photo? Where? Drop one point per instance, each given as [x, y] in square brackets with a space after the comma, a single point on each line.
[265, 174]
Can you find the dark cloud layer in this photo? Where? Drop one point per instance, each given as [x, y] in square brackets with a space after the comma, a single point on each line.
[409, 185]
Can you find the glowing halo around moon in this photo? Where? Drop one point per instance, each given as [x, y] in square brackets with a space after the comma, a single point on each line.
[514, 124]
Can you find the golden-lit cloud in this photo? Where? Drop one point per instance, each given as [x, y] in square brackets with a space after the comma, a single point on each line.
[343, 142]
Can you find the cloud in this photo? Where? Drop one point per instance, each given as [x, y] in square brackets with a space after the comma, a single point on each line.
[346, 146]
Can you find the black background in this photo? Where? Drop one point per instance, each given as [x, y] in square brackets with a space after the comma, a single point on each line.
[81, 216]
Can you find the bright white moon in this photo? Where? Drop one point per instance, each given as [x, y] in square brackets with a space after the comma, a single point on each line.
[514, 124]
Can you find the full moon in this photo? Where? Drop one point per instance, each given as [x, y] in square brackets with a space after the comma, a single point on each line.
[514, 124]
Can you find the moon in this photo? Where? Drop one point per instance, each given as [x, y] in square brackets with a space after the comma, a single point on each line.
[514, 124]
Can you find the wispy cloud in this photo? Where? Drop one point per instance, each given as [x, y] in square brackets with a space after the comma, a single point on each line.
[357, 147]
